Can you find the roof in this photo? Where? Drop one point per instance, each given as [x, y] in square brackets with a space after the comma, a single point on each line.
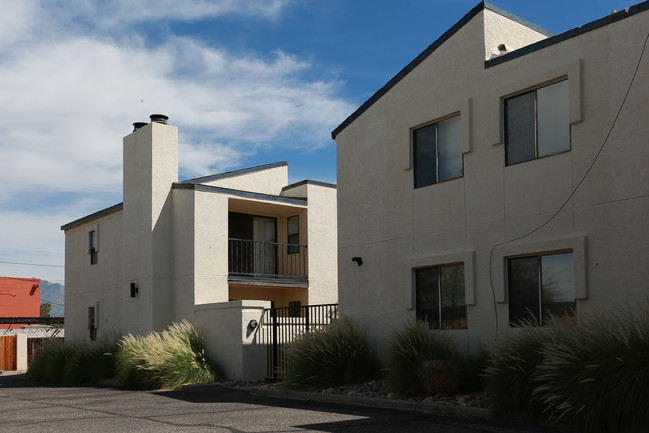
[309, 182]
[235, 173]
[552, 39]
[92, 216]
[555, 39]
[240, 193]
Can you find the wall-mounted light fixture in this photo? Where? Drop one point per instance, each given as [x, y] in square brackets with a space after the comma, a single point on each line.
[357, 260]
[134, 290]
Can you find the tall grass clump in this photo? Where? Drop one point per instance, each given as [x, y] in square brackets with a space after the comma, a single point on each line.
[596, 379]
[74, 364]
[422, 361]
[165, 360]
[339, 354]
[513, 359]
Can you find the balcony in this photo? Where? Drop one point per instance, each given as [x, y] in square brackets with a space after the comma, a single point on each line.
[267, 261]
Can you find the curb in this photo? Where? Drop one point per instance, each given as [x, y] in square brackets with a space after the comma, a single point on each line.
[413, 406]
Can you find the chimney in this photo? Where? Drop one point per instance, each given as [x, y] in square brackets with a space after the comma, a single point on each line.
[138, 125]
[159, 118]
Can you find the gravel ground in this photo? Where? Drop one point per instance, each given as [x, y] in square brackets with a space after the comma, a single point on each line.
[376, 389]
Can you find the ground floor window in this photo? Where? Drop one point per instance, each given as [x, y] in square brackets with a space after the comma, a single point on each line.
[440, 296]
[540, 286]
[92, 323]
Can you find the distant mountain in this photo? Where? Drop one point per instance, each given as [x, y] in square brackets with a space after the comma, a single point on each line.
[54, 293]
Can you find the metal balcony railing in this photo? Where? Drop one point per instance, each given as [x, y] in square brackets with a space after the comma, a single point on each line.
[259, 259]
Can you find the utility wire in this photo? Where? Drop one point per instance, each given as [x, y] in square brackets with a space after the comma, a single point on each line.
[32, 264]
[601, 148]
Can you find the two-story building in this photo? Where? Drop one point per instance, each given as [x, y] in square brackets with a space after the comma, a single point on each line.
[501, 176]
[172, 246]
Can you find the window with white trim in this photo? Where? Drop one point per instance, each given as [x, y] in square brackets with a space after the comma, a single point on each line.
[440, 296]
[537, 123]
[437, 152]
[92, 247]
[541, 286]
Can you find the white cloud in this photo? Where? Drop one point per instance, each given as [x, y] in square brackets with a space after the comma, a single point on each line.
[71, 90]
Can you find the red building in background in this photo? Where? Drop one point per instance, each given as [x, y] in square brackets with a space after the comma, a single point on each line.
[19, 297]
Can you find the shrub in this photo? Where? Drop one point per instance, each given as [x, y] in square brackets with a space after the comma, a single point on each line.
[422, 361]
[470, 374]
[165, 360]
[596, 378]
[339, 354]
[75, 363]
[513, 359]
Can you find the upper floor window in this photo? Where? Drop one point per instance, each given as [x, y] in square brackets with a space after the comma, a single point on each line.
[293, 234]
[437, 152]
[537, 123]
[440, 296]
[92, 247]
[541, 286]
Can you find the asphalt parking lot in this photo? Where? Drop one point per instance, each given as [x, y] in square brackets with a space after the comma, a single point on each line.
[38, 407]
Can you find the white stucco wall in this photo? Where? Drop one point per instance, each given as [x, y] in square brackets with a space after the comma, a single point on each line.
[323, 244]
[265, 181]
[395, 227]
[98, 285]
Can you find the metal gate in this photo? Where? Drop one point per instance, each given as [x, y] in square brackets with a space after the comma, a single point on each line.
[281, 325]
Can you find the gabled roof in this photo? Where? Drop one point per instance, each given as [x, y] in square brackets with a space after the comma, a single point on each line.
[552, 39]
[92, 216]
[240, 193]
[235, 173]
[555, 39]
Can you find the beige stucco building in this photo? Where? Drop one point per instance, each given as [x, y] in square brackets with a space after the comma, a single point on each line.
[174, 250]
[500, 175]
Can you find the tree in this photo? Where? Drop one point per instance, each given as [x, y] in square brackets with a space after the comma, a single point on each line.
[46, 307]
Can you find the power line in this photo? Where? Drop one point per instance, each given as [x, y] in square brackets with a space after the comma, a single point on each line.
[33, 264]
[53, 303]
[592, 164]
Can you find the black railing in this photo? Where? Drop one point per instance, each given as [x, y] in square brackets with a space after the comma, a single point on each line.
[32, 320]
[260, 259]
[280, 326]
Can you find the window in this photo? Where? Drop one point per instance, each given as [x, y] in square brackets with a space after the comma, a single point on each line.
[294, 308]
[537, 123]
[92, 323]
[92, 247]
[540, 286]
[437, 152]
[293, 234]
[440, 296]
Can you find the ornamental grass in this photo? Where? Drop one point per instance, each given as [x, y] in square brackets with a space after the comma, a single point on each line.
[422, 361]
[165, 360]
[75, 364]
[339, 354]
[591, 378]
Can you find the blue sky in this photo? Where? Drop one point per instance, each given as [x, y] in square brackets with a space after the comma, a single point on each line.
[247, 82]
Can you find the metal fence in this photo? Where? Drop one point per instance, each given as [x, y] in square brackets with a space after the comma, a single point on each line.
[261, 259]
[37, 345]
[280, 326]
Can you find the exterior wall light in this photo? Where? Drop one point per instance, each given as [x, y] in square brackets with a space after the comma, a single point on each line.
[134, 290]
[357, 260]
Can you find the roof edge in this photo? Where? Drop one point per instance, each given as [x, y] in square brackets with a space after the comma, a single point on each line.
[235, 173]
[240, 193]
[92, 216]
[569, 34]
[405, 71]
[309, 182]
[492, 7]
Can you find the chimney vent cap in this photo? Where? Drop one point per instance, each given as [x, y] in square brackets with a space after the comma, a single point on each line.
[138, 125]
[159, 118]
